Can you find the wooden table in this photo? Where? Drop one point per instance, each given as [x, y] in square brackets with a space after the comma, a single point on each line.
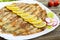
[54, 35]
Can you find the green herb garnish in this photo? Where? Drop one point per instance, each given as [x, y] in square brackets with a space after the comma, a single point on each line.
[50, 15]
[49, 27]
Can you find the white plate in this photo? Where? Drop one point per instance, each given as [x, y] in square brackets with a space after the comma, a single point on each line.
[11, 37]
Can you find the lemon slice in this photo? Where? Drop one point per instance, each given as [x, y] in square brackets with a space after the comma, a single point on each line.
[12, 7]
[24, 15]
[37, 21]
[18, 12]
[30, 18]
[43, 24]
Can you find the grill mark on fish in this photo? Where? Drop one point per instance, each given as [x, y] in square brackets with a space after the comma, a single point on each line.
[17, 26]
[21, 5]
[11, 20]
[28, 8]
[44, 15]
[6, 17]
[25, 7]
[10, 25]
[3, 14]
[5, 20]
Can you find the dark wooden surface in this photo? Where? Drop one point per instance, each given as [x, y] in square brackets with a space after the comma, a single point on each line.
[54, 35]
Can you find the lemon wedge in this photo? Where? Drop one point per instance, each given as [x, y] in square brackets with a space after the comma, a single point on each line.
[43, 24]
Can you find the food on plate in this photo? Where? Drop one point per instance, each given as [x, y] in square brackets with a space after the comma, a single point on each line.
[24, 19]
